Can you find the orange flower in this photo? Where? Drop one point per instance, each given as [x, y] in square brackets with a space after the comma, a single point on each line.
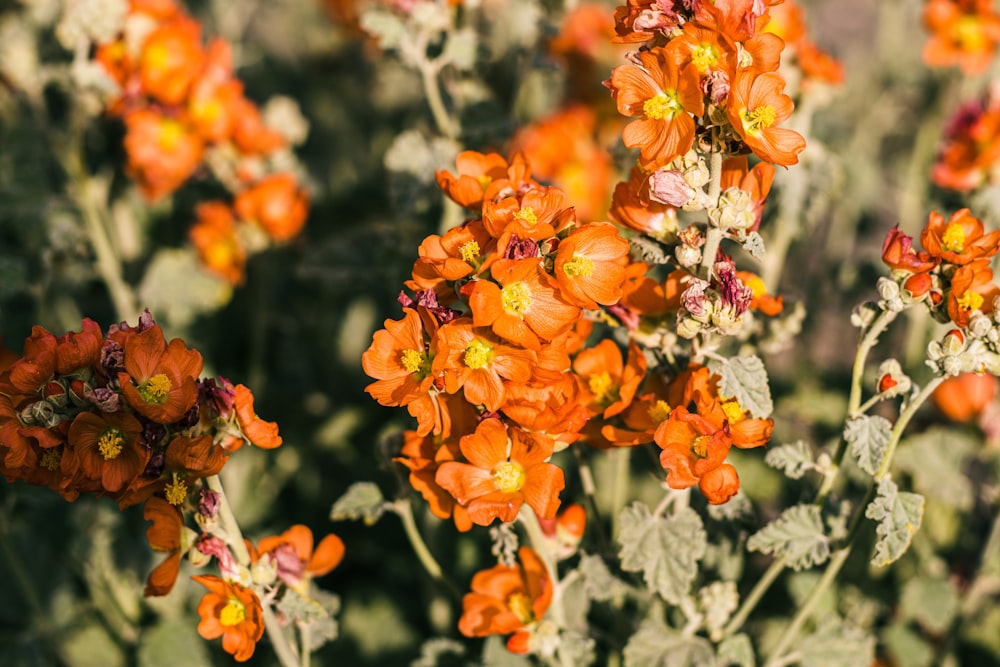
[232, 612]
[477, 362]
[590, 265]
[507, 598]
[963, 397]
[525, 308]
[106, 448]
[462, 250]
[76, 351]
[164, 376]
[961, 240]
[694, 451]
[277, 204]
[399, 361]
[250, 134]
[962, 32]
[537, 214]
[164, 536]
[971, 289]
[705, 50]
[214, 237]
[631, 207]
[663, 96]
[898, 254]
[756, 105]
[294, 557]
[611, 384]
[171, 59]
[213, 98]
[755, 182]
[971, 148]
[260, 433]
[762, 301]
[162, 152]
[476, 171]
[506, 469]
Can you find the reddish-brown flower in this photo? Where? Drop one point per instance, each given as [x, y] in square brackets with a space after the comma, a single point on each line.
[106, 448]
[160, 380]
[260, 433]
[232, 612]
[164, 536]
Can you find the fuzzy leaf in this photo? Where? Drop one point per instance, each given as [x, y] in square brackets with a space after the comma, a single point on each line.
[650, 251]
[934, 459]
[299, 608]
[794, 460]
[933, 602]
[362, 500]
[797, 535]
[385, 27]
[745, 379]
[665, 550]
[177, 289]
[836, 644]
[736, 650]
[869, 438]
[898, 515]
[656, 645]
[576, 648]
[754, 245]
[460, 49]
[599, 583]
[495, 654]
[438, 652]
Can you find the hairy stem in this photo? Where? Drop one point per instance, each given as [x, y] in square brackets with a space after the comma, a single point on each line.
[404, 509]
[713, 237]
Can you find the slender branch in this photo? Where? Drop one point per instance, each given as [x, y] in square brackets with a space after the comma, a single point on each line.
[590, 493]
[404, 509]
[868, 341]
[713, 237]
[753, 597]
[622, 458]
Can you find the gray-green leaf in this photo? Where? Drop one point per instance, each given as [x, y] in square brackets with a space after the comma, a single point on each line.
[665, 550]
[384, 26]
[869, 438]
[745, 379]
[736, 650]
[754, 244]
[794, 460]
[656, 645]
[599, 583]
[836, 644]
[797, 535]
[898, 515]
[363, 500]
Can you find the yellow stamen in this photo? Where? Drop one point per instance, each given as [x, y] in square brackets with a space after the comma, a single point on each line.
[759, 119]
[700, 446]
[733, 410]
[756, 286]
[478, 354]
[520, 606]
[954, 238]
[578, 266]
[413, 361]
[970, 301]
[171, 133]
[233, 613]
[508, 477]
[176, 492]
[155, 389]
[663, 106]
[659, 411]
[516, 298]
[469, 251]
[528, 215]
[704, 56]
[111, 443]
[51, 458]
[969, 34]
[484, 181]
[603, 388]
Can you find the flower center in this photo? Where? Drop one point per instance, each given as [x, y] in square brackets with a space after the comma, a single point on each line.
[484, 180]
[704, 56]
[520, 605]
[176, 492]
[233, 613]
[469, 251]
[578, 266]
[733, 410]
[155, 389]
[664, 105]
[413, 361]
[478, 355]
[970, 301]
[759, 119]
[528, 215]
[603, 388]
[516, 298]
[659, 411]
[954, 238]
[508, 477]
[110, 443]
[51, 458]
[699, 446]
[171, 133]
[969, 33]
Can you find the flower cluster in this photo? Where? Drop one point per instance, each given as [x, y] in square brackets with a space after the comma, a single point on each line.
[968, 159]
[124, 415]
[962, 32]
[183, 107]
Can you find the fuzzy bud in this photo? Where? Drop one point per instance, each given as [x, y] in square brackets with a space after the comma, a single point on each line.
[667, 186]
[918, 285]
[887, 289]
[864, 314]
[736, 210]
[688, 327]
[979, 324]
[687, 256]
[953, 342]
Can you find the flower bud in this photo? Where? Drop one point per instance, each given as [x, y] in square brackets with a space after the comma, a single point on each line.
[918, 285]
[953, 342]
[264, 572]
[687, 256]
[887, 289]
[864, 314]
[736, 210]
[667, 186]
[885, 383]
[979, 325]
[688, 327]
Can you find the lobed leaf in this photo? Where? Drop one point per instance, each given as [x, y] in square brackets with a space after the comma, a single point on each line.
[736, 650]
[797, 535]
[934, 459]
[745, 379]
[869, 438]
[898, 515]
[754, 245]
[599, 583]
[665, 550]
[794, 460]
[836, 643]
[362, 500]
[656, 645]
[650, 250]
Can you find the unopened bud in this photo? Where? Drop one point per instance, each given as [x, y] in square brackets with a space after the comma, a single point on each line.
[667, 186]
[953, 342]
[979, 324]
[688, 327]
[885, 383]
[887, 289]
[264, 572]
[687, 256]
[918, 285]
[736, 210]
[864, 314]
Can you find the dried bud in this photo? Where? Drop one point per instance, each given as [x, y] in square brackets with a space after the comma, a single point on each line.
[667, 186]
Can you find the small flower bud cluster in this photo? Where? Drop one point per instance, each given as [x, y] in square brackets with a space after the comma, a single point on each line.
[957, 353]
[892, 381]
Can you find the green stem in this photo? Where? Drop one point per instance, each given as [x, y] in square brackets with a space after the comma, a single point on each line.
[304, 652]
[713, 236]
[622, 459]
[868, 341]
[446, 125]
[840, 556]
[590, 494]
[404, 510]
[750, 602]
[234, 538]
